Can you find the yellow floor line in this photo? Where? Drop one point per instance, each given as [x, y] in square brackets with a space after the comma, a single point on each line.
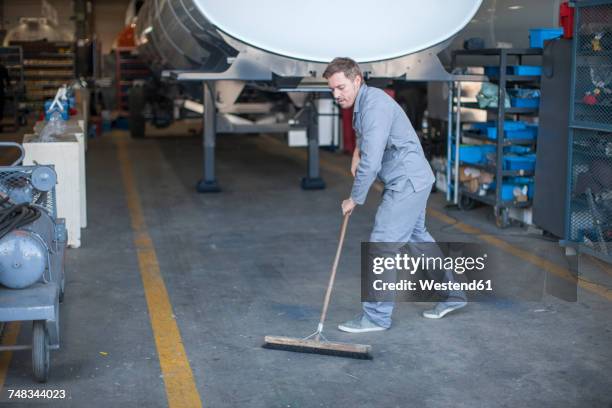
[181, 389]
[525, 255]
[9, 338]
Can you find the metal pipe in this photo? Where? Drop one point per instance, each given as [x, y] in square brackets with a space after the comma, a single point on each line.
[457, 141]
[449, 141]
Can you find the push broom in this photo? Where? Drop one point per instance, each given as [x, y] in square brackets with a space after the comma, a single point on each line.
[316, 342]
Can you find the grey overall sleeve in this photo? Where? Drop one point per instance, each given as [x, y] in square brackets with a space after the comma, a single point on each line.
[376, 126]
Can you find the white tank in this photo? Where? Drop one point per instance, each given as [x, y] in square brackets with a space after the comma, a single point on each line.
[189, 34]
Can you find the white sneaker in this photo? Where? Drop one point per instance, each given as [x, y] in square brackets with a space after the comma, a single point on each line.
[442, 309]
[360, 324]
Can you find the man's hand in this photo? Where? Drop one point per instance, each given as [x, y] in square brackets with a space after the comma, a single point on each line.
[355, 161]
[347, 206]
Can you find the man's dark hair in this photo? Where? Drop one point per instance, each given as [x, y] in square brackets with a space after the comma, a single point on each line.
[343, 64]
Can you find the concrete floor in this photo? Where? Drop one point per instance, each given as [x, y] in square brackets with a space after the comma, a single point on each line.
[254, 260]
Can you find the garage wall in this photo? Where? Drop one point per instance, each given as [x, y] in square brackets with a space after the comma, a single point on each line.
[109, 16]
[109, 19]
[507, 21]
[13, 10]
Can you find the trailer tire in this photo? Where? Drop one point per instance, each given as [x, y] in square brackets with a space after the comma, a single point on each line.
[136, 104]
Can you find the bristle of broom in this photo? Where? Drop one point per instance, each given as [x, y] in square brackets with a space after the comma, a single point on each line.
[358, 351]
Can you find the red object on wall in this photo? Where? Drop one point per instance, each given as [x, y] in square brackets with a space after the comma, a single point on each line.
[348, 133]
[566, 19]
[126, 37]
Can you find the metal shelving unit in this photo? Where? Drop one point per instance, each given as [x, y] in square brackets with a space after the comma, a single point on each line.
[47, 66]
[128, 68]
[455, 192]
[12, 59]
[589, 201]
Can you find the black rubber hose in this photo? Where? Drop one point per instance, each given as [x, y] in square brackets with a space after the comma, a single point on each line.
[15, 216]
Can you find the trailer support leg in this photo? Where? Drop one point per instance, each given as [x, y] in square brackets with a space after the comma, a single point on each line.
[313, 180]
[208, 183]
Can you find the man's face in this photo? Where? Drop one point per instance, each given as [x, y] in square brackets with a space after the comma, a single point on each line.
[344, 89]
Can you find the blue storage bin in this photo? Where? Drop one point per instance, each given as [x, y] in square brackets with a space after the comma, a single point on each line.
[479, 126]
[526, 162]
[534, 129]
[524, 181]
[491, 71]
[537, 36]
[475, 154]
[507, 193]
[508, 125]
[528, 70]
[529, 132]
[514, 149]
[525, 102]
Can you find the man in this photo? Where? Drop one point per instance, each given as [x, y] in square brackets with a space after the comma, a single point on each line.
[387, 148]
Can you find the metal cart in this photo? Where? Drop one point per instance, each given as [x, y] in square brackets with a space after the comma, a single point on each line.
[38, 302]
[455, 192]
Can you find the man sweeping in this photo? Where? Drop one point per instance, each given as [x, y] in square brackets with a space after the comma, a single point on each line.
[387, 148]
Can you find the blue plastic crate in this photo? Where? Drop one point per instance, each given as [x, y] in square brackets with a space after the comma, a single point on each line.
[491, 71]
[525, 102]
[529, 132]
[524, 181]
[537, 36]
[528, 70]
[508, 125]
[475, 154]
[507, 193]
[515, 149]
[526, 162]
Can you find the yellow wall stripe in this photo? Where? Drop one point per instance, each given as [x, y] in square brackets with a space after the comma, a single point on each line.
[178, 378]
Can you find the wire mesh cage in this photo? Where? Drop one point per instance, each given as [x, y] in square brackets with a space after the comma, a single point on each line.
[593, 63]
[591, 190]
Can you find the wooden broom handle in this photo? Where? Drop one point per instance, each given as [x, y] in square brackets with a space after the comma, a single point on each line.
[332, 278]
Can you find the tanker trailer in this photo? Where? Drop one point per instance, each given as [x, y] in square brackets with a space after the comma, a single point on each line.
[207, 52]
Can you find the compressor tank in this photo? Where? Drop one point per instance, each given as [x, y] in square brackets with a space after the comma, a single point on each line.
[189, 34]
[24, 253]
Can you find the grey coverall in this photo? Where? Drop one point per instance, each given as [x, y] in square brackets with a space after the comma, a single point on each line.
[390, 150]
